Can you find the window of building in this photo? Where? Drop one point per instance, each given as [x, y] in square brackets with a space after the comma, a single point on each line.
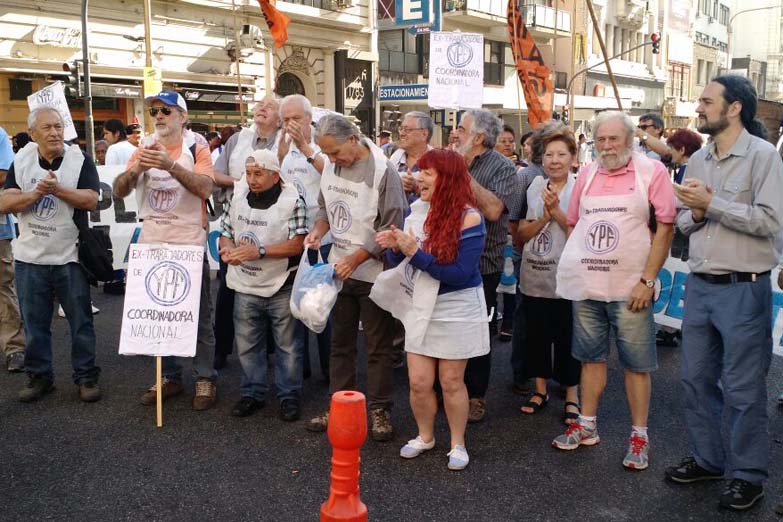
[707, 72]
[494, 54]
[724, 15]
[700, 72]
[397, 52]
[561, 80]
[679, 80]
[715, 9]
[705, 7]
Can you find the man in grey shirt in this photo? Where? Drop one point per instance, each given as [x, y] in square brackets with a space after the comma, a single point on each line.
[734, 212]
[361, 194]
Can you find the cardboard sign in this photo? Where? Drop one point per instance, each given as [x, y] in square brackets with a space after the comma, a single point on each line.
[54, 96]
[456, 71]
[162, 298]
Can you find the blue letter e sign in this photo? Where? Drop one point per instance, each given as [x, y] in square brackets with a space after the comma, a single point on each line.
[409, 12]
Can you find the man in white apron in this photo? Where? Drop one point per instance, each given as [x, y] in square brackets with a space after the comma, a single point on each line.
[263, 232]
[301, 166]
[415, 135]
[229, 168]
[50, 187]
[493, 181]
[608, 269]
[361, 194]
[733, 218]
[173, 180]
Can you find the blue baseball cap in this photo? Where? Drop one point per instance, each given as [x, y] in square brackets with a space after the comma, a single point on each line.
[169, 98]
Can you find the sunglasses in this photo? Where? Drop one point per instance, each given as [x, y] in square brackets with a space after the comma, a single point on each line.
[645, 127]
[155, 110]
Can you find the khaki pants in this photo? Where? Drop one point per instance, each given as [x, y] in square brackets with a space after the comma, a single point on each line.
[11, 335]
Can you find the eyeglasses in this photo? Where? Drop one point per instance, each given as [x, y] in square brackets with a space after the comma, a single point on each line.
[646, 126]
[155, 110]
[410, 129]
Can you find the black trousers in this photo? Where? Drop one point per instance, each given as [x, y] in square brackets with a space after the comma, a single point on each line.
[478, 368]
[224, 314]
[548, 343]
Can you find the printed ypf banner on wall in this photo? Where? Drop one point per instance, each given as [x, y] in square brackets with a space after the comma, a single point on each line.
[456, 71]
[162, 299]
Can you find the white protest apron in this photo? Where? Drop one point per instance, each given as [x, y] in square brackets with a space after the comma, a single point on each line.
[406, 292]
[47, 233]
[351, 208]
[540, 255]
[261, 277]
[605, 256]
[296, 170]
[167, 207]
[242, 149]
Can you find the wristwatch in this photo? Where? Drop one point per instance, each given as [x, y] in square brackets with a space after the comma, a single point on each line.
[261, 252]
[644, 137]
[649, 283]
[311, 159]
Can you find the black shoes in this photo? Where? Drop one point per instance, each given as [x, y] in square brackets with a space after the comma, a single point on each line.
[36, 388]
[289, 409]
[688, 471]
[246, 406]
[89, 392]
[14, 363]
[740, 495]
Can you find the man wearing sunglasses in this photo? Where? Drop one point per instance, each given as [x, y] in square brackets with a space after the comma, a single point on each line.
[649, 132]
[174, 181]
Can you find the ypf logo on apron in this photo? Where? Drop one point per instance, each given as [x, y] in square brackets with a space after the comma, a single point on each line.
[248, 237]
[408, 275]
[162, 200]
[602, 237]
[167, 283]
[541, 245]
[340, 217]
[45, 208]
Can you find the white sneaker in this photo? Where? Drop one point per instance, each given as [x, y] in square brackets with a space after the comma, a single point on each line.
[60, 311]
[458, 458]
[416, 447]
[95, 309]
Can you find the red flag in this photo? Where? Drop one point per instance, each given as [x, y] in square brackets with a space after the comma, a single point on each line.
[531, 69]
[276, 21]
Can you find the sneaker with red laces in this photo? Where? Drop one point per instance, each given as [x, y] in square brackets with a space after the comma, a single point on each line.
[638, 456]
[577, 435]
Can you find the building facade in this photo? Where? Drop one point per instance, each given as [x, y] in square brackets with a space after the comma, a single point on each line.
[757, 33]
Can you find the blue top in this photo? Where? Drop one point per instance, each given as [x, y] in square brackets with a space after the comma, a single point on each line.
[679, 174]
[6, 158]
[462, 273]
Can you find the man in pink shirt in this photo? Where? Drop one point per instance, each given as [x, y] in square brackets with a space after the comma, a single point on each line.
[608, 269]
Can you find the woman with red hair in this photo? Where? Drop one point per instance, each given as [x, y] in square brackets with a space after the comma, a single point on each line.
[444, 240]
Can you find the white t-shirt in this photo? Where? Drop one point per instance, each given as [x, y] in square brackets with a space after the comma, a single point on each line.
[120, 153]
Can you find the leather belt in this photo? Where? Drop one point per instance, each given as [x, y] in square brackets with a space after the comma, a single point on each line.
[733, 277]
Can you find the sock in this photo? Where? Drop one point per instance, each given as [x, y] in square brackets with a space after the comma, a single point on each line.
[639, 430]
[587, 422]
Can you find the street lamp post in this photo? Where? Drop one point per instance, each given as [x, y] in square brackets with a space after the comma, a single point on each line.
[88, 119]
[729, 31]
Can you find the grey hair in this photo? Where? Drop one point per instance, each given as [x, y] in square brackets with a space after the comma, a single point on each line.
[32, 118]
[423, 120]
[655, 118]
[337, 126]
[102, 142]
[607, 116]
[303, 102]
[485, 122]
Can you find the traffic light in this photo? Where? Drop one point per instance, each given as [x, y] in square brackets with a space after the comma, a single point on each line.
[564, 117]
[73, 81]
[655, 38]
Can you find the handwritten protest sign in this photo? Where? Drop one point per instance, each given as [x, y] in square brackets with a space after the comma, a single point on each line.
[54, 96]
[456, 70]
[162, 299]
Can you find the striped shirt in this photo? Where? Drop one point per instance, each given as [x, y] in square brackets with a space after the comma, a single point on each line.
[498, 174]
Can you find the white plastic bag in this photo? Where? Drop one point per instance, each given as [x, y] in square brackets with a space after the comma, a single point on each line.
[314, 293]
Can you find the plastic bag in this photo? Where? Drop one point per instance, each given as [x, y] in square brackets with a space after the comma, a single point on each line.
[314, 292]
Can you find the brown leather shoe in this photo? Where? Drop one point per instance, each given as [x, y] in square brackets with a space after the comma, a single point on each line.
[89, 392]
[477, 410]
[205, 397]
[170, 389]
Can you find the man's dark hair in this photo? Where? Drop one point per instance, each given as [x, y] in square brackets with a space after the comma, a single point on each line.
[212, 135]
[509, 128]
[740, 89]
[133, 127]
[582, 136]
[113, 126]
[655, 118]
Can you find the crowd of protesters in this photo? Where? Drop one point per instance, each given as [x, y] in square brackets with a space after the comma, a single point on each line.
[586, 224]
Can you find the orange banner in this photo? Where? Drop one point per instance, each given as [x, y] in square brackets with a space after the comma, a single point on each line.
[532, 71]
[276, 21]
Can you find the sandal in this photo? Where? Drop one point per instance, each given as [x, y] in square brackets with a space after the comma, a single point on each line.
[535, 406]
[570, 417]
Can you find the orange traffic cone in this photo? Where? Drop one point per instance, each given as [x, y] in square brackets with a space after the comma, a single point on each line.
[347, 432]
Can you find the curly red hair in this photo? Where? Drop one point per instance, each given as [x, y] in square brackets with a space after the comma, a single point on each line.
[450, 196]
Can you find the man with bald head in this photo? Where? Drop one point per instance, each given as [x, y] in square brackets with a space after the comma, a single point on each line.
[51, 186]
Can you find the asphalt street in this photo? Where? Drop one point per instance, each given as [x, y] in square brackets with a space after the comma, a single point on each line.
[65, 460]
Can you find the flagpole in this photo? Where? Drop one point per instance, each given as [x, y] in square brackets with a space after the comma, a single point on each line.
[236, 61]
[515, 16]
[597, 30]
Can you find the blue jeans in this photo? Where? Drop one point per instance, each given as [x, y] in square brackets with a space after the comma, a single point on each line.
[634, 334]
[203, 363]
[252, 314]
[727, 338]
[37, 286]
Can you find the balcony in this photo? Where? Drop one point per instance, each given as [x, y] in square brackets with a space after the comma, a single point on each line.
[542, 18]
[489, 13]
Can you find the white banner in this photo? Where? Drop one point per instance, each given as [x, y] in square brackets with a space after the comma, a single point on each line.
[162, 299]
[54, 96]
[669, 302]
[456, 71]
